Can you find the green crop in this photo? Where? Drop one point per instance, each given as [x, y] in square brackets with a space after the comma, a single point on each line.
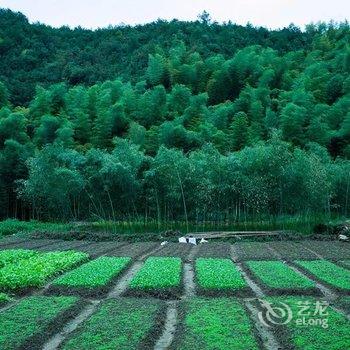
[29, 317]
[330, 330]
[158, 273]
[118, 324]
[4, 298]
[34, 271]
[328, 272]
[213, 324]
[93, 274]
[218, 274]
[275, 274]
[13, 255]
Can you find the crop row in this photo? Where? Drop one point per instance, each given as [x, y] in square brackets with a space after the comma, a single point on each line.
[217, 323]
[24, 325]
[277, 277]
[312, 325]
[161, 276]
[21, 270]
[91, 278]
[329, 273]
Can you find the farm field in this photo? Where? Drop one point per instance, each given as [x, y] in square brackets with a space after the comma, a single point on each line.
[129, 296]
[332, 333]
[277, 277]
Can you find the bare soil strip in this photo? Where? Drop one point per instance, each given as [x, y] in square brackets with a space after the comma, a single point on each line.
[136, 250]
[267, 337]
[32, 244]
[254, 251]
[213, 250]
[181, 250]
[344, 264]
[54, 342]
[188, 280]
[149, 252]
[329, 250]
[318, 256]
[253, 286]
[10, 240]
[234, 253]
[193, 253]
[124, 281]
[97, 249]
[292, 251]
[65, 245]
[168, 334]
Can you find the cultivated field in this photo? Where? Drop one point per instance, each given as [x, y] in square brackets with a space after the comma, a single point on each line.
[109, 295]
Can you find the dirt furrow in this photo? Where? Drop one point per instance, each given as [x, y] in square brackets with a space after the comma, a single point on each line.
[267, 337]
[124, 281]
[255, 288]
[54, 342]
[328, 293]
[188, 278]
[149, 253]
[191, 256]
[313, 252]
[168, 334]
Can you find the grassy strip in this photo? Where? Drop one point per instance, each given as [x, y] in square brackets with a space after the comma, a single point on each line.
[31, 316]
[218, 274]
[277, 275]
[35, 271]
[328, 272]
[331, 332]
[14, 255]
[12, 226]
[215, 324]
[92, 276]
[118, 324]
[158, 272]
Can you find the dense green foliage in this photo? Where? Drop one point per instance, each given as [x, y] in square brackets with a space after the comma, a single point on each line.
[29, 317]
[158, 273]
[34, 271]
[328, 272]
[216, 324]
[95, 273]
[191, 121]
[4, 298]
[11, 226]
[218, 274]
[275, 274]
[118, 324]
[35, 53]
[335, 336]
[14, 255]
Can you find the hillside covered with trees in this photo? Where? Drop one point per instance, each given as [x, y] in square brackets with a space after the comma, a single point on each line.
[173, 121]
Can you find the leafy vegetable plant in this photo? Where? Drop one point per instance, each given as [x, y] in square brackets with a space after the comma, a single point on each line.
[275, 274]
[35, 271]
[328, 272]
[218, 274]
[94, 273]
[158, 272]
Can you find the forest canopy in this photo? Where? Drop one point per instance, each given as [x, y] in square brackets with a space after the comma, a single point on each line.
[173, 120]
